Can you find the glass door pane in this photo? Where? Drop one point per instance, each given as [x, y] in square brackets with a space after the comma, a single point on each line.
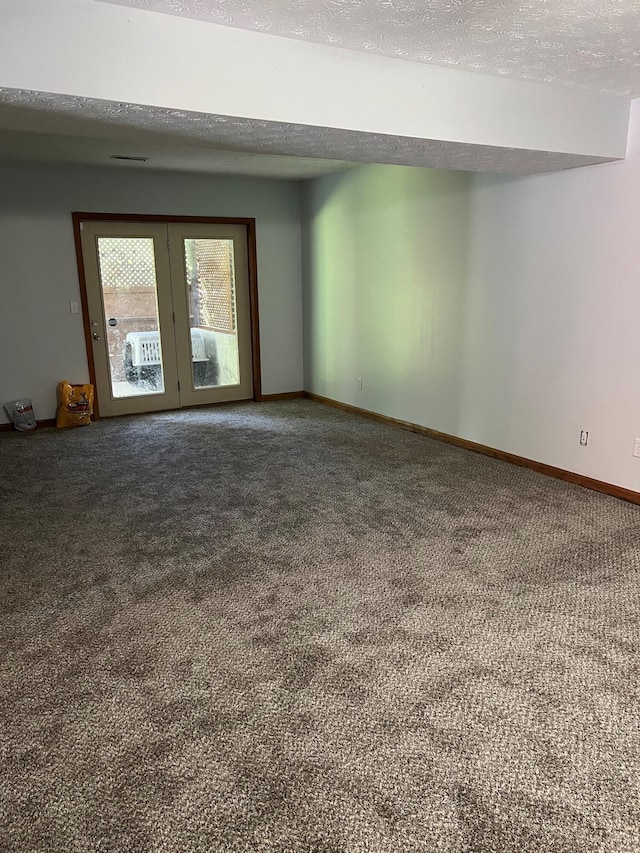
[211, 297]
[127, 273]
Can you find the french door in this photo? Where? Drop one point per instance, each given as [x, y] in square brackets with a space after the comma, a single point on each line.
[168, 307]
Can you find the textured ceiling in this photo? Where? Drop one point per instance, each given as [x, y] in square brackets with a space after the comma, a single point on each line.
[92, 130]
[174, 157]
[589, 43]
[45, 128]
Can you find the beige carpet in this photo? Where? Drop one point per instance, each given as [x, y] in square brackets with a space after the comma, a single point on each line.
[285, 628]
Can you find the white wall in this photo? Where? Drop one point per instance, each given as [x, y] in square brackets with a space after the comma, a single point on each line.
[552, 340]
[42, 343]
[504, 311]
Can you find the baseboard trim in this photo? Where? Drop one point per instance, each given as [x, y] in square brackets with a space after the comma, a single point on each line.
[47, 422]
[287, 395]
[503, 456]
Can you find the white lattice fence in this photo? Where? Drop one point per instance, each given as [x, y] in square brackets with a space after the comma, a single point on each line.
[126, 263]
[216, 284]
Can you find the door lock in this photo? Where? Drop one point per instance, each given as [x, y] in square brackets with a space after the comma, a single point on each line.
[96, 336]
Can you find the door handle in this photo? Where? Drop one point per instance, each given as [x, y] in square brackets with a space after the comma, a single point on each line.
[96, 336]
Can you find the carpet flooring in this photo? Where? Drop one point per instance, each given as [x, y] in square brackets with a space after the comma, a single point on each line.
[281, 627]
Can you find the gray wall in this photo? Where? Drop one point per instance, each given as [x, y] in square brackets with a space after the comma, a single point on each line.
[42, 343]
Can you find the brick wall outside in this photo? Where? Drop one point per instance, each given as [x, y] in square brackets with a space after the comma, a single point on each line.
[135, 310]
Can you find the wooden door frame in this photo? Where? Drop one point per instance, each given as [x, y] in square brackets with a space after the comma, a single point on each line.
[250, 226]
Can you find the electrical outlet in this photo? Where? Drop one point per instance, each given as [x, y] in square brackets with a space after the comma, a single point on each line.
[636, 447]
[359, 383]
[584, 437]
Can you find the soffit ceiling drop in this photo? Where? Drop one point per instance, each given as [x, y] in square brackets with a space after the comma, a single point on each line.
[581, 43]
[438, 117]
[49, 127]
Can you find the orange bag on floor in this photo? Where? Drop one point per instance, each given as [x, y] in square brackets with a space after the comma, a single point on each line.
[75, 405]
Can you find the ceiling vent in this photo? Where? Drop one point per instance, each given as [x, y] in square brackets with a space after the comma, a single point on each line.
[128, 157]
